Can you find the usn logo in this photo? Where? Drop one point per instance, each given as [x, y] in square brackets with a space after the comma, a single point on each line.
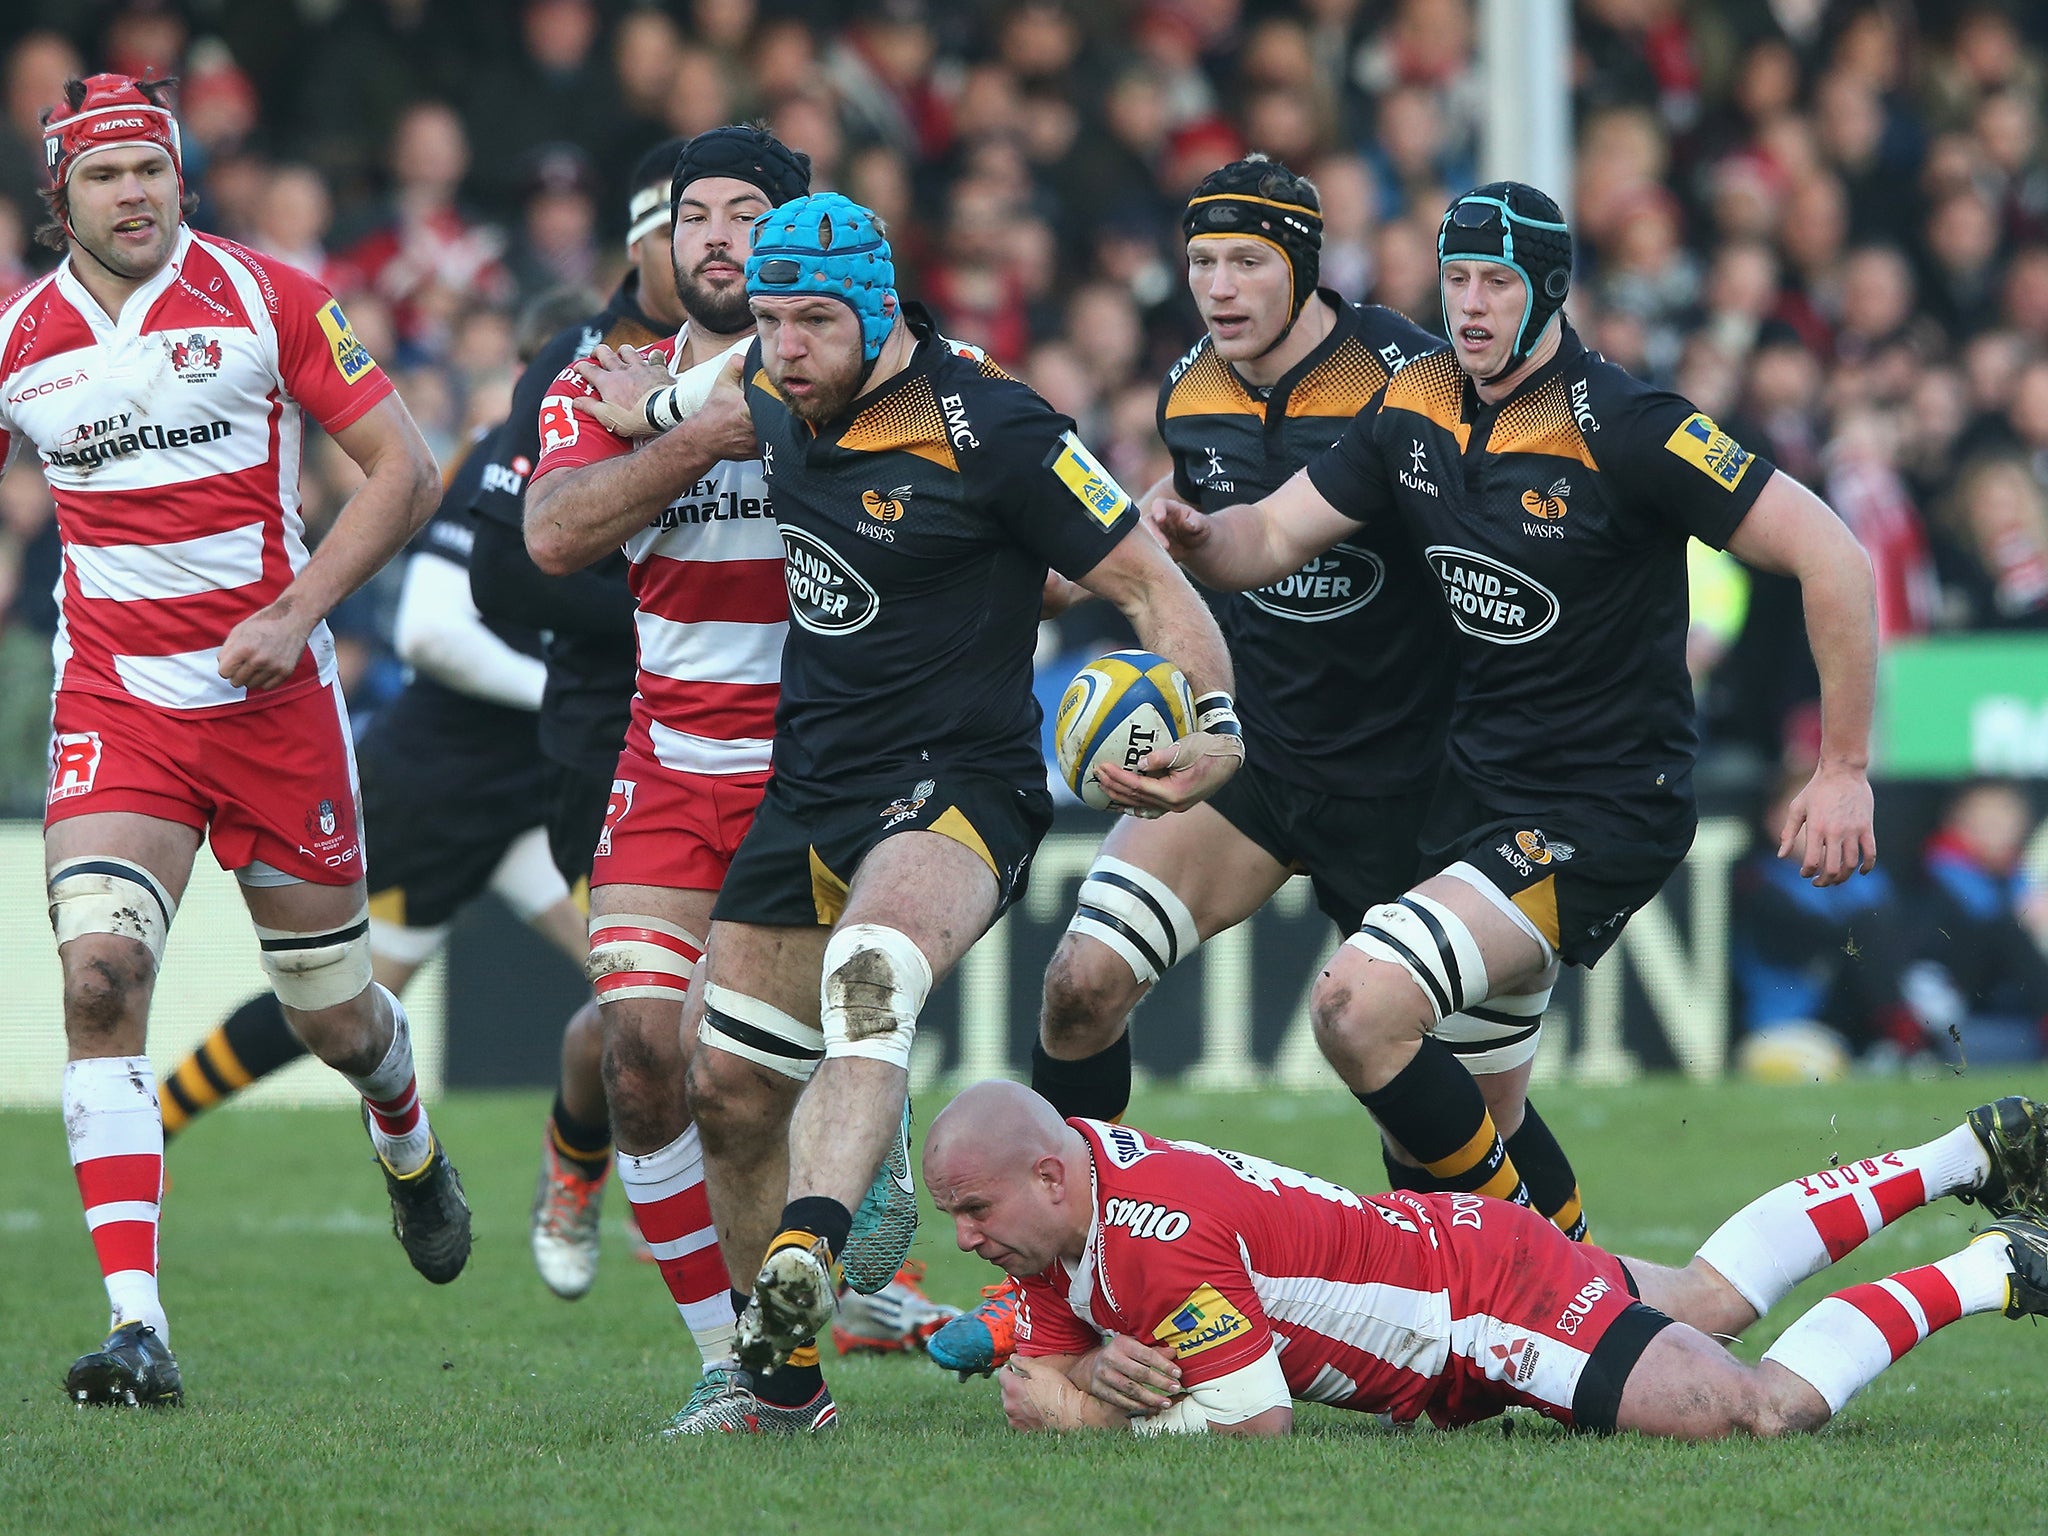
[1126, 1148]
[1490, 600]
[1710, 450]
[1205, 1320]
[826, 595]
[1341, 580]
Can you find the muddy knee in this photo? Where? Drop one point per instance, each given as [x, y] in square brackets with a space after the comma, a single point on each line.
[1089, 992]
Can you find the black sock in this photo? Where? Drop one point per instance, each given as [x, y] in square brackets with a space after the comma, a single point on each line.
[1435, 1110]
[1553, 1187]
[258, 1035]
[587, 1146]
[795, 1382]
[1400, 1175]
[821, 1216]
[1096, 1087]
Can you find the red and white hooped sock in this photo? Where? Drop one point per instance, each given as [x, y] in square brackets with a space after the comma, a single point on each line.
[666, 1188]
[398, 1121]
[1798, 1229]
[1842, 1345]
[116, 1132]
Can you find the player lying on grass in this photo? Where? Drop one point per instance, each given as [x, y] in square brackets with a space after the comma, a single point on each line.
[1172, 1287]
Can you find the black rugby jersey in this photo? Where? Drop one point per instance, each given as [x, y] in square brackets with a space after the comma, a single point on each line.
[1555, 523]
[591, 675]
[916, 530]
[1344, 668]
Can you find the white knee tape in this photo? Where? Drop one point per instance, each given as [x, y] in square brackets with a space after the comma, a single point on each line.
[875, 983]
[311, 971]
[632, 955]
[526, 877]
[749, 1028]
[98, 894]
[1431, 943]
[1497, 1035]
[1136, 914]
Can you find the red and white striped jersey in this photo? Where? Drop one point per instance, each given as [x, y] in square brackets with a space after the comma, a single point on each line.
[713, 608]
[1384, 1304]
[171, 437]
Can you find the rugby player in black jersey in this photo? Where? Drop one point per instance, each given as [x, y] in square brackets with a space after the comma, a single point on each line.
[922, 494]
[1551, 495]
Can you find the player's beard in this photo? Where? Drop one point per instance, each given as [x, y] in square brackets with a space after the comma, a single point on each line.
[828, 397]
[724, 313]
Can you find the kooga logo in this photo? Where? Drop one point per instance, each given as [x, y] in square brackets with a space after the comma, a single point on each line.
[1489, 600]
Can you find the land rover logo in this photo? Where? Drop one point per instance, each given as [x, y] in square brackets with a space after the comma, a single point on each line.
[826, 595]
[1489, 600]
[1341, 580]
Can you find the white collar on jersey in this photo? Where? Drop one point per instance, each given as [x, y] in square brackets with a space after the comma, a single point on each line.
[136, 307]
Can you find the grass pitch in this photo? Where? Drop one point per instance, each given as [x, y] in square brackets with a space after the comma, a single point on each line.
[330, 1389]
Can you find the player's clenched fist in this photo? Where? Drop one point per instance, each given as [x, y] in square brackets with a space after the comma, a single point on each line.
[623, 380]
[264, 649]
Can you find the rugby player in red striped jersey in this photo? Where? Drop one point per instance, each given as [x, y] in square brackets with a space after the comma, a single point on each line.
[1168, 1286]
[165, 379]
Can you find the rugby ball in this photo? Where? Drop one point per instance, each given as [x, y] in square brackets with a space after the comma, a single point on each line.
[1117, 709]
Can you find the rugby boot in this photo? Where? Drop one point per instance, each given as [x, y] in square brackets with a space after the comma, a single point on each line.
[566, 1206]
[133, 1368]
[896, 1319]
[429, 1215]
[793, 1300]
[724, 1404]
[885, 1221]
[2014, 1131]
[2026, 1288]
[981, 1342]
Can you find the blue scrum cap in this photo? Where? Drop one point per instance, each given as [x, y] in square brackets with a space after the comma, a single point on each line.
[827, 245]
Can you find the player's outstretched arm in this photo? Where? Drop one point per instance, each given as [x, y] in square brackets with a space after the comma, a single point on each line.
[401, 490]
[578, 513]
[1172, 621]
[1792, 532]
[1249, 545]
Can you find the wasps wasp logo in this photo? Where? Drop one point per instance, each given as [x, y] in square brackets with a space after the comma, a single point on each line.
[884, 509]
[1550, 505]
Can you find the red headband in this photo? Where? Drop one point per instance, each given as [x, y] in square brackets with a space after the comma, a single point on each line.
[115, 114]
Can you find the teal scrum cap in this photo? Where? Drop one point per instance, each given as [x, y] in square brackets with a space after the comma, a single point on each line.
[829, 246]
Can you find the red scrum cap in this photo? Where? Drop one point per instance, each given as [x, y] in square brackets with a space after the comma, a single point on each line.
[108, 112]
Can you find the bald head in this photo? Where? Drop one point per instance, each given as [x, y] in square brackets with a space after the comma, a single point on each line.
[998, 1160]
[1002, 1122]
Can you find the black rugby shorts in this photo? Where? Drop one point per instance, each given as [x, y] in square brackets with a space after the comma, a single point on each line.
[807, 842]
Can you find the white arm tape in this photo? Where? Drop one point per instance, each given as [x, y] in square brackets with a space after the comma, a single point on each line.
[684, 398]
[1243, 1394]
[439, 633]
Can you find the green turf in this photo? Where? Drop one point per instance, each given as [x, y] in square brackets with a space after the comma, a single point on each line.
[332, 1390]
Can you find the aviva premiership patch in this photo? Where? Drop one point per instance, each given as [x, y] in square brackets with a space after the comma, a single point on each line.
[1093, 486]
[1203, 1321]
[1710, 450]
[350, 355]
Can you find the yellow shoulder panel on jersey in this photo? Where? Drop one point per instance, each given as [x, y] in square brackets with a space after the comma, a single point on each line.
[1432, 386]
[1210, 388]
[907, 420]
[1341, 384]
[762, 382]
[1541, 423]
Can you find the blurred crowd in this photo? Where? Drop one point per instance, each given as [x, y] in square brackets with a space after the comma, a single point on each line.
[1826, 221]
